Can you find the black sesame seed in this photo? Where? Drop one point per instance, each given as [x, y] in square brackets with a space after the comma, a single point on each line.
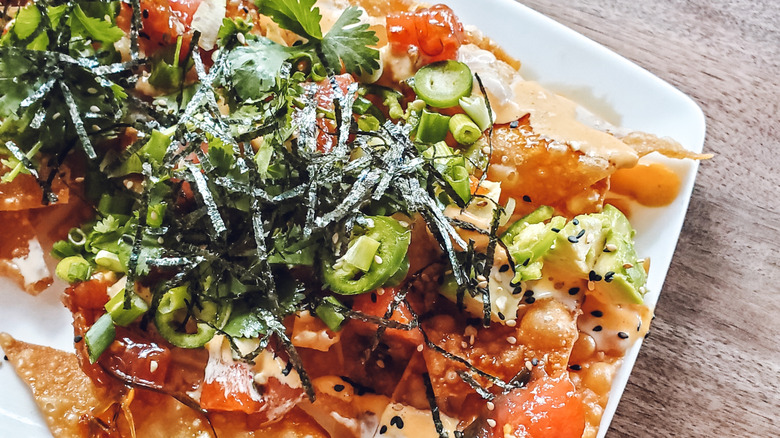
[534, 361]
[608, 276]
[575, 367]
[287, 369]
[555, 230]
[5, 357]
[383, 430]
[622, 335]
[606, 250]
[526, 198]
[517, 290]
[639, 326]
[501, 316]
[145, 13]
[597, 328]
[573, 239]
[530, 300]
[580, 234]
[574, 291]
[514, 124]
[397, 422]
[77, 339]
[298, 43]
[245, 9]
[143, 34]
[575, 221]
[593, 276]
[503, 268]
[373, 297]
[528, 293]
[597, 313]
[338, 388]
[525, 263]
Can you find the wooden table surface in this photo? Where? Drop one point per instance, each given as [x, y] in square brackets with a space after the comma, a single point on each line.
[711, 365]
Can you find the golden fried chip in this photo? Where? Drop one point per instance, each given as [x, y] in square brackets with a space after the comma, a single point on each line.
[61, 390]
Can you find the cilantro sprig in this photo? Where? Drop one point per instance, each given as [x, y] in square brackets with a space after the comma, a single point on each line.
[348, 42]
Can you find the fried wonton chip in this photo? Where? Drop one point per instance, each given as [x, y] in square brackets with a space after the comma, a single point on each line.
[644, 143]
[67, 399]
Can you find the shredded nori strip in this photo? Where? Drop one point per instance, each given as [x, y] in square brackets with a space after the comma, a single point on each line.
[435, 413]
[484, 393]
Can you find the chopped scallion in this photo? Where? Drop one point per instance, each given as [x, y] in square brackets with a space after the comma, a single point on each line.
[73, 269]
[464, 130]
[99, 337]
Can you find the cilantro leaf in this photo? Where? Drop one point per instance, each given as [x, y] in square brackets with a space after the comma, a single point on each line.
[349, 42]
[253, 68]
[97, 28]
[299, 16]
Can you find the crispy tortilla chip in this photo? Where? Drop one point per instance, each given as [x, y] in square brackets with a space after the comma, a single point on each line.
[644, 143]
[67, 398]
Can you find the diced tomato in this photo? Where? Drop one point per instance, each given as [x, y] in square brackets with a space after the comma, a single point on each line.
[547, 408]
[326, 128]
[139, 359]
[436, 31]
[376, 303]
[229, 387]
[162, 22]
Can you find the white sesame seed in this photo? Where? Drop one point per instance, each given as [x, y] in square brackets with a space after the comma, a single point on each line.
[92, 90]
[628, 265]
[490, 405]
[377, 259]
[481, 277]
[160, 240]
[154, 215]
[129, 184]
[611, 247]
[420, 348]
[335, 239]
[79, 179]
[482, 284]
[529, 365]
[491, 422]
[153, 366]
[380, 363]
[404, 224]
[511, 322]
[486, 150]
[481, 203]
[94, 109]
[95, 128]
[241, 38]
[512, 340]
[463, 344]
[56, 116]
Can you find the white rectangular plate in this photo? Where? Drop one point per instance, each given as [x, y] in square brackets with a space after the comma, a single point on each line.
[614, 88]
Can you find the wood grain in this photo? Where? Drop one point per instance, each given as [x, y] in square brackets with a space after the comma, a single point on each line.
[711, 366]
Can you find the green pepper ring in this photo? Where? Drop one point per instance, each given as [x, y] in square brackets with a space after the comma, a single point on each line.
[165, 322]
[394, 242]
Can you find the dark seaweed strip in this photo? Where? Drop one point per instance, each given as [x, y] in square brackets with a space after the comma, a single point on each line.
[489, 254]
[182, 397]
[489, 136]
[292, 193]
[484, 393]
[167, 262]
[382, 322]
[493, 379]
[216, 221]
[435, 413]
[78, 124]
[135, 253]
[135, 27]
[359, 193]
[281, 332]
[48, 195]
[233, 186]
[39, 94]
[521, 379]
[118, 67]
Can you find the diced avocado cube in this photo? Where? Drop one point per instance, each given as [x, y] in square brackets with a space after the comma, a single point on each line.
[504, 298]
[578, 244]
[622, 276]
[529, 244]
